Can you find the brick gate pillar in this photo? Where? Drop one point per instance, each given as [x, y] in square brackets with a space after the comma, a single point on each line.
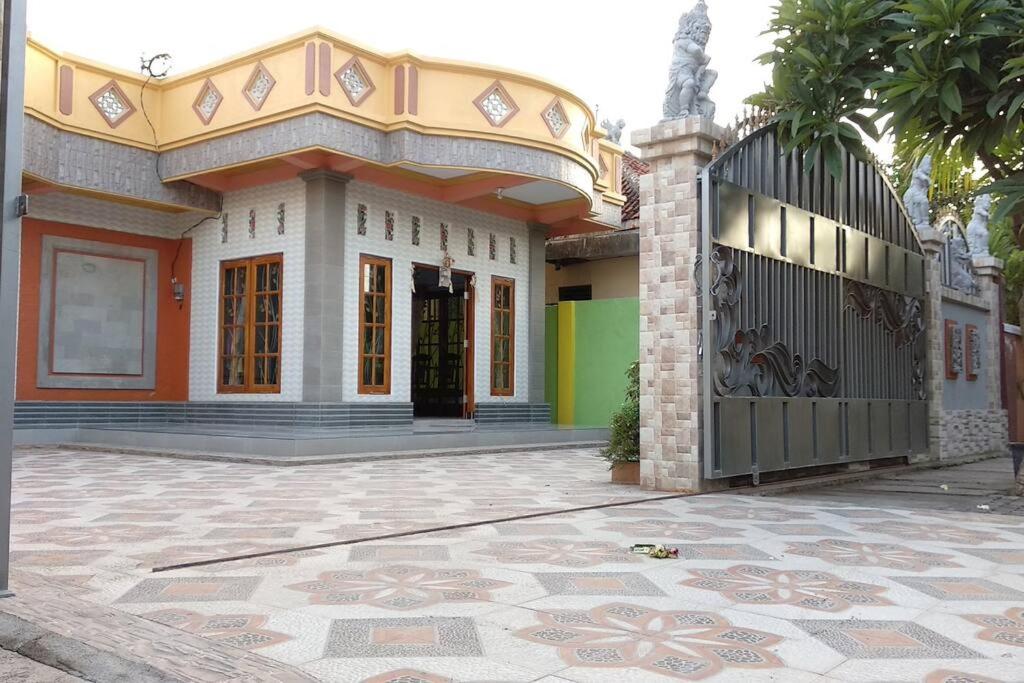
[670, 324]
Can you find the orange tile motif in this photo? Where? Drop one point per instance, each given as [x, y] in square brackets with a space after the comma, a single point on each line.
[932, 532]
[399, 587]
[687, 645]
[854, 554]
[559, 553]
[243, 631]
[1004, 629]
[818, 591]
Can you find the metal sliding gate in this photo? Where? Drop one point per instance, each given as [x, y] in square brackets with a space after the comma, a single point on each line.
[812, 291]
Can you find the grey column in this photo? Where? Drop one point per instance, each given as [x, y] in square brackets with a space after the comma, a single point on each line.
[12, 114]
[325, 286]
[538, 239]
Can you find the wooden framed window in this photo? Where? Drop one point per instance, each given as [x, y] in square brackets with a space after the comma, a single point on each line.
[503, 336]
[375, 325]
[250, 325]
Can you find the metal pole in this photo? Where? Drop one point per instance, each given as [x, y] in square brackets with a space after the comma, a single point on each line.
[12, 114]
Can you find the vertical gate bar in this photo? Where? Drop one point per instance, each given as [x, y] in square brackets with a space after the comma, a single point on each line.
[707, 186]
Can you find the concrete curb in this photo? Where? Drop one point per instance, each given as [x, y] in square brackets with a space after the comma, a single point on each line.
[300, 460]
[72, 656]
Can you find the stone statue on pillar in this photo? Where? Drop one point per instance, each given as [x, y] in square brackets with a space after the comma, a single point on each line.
[916, 197]
[689, 78]
[977, 229]
[614, 129]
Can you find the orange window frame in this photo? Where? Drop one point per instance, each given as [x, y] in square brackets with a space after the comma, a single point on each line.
[507, 307]
[247, 328]
[379, 324]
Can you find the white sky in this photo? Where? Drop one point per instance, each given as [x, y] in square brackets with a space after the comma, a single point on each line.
[615, 55]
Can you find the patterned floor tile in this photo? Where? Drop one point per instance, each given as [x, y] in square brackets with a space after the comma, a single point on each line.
[950, 676]
[192, 589]
[407, 676]
[818, 591]
[99, 535]
[801, 530]
[858, 639]
[755, 514]
[670, 529]
[932, 532]
[1002, 629]
[680, 644]
[409, 637]
[536, 529]
[997, 555]
[244, 631]
[399, 587]
[854, 554]
[958, 588]
[621, 584]
[711, 551]
[398, 553]
[252, 532]
[56, 558]
[557, 552]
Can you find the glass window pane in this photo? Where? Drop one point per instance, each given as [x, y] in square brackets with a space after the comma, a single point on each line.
[506, 350]
[261, 309]
[380, 278]
[367, 308]
[261, 339]
[368, 371]
[261, 278]
[378, 372]
[228, 341]
[258, 371]
[229, 311]
[275, 276]
[237, 373]
[240, 282]
[273, 339]
[378, 346]
[367, 340]
[272, 364]
[380, 303]
[273, 303]
[229, 281]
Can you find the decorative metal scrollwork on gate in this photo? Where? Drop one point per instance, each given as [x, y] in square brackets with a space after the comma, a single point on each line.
[812, 294]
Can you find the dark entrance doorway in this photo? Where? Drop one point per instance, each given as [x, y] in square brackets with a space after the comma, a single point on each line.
[441, 345]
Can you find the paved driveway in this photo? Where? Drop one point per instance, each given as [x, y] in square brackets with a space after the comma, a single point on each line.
[765, 589]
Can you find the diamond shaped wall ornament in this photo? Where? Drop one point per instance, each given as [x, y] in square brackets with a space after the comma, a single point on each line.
[257, 88]
[207, 102]
[354, 80]
[496, 105]
[113, 104]
[556, 119]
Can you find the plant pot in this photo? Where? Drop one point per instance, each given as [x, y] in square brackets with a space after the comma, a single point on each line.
[626, 473]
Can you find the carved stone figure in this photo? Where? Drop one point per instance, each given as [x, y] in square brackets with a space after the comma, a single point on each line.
[960, 270]
[614, 130]
[977, 229]
[689, 78]
[916, 197]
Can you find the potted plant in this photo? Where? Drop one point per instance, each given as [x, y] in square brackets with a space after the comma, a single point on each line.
[623, 451]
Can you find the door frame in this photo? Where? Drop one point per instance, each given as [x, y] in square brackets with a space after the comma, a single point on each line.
[469, 372]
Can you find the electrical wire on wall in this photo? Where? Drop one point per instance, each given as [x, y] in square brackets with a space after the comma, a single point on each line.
[158, 67]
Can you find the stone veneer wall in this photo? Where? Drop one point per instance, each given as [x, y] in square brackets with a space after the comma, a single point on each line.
[670, 321]
[956, 433]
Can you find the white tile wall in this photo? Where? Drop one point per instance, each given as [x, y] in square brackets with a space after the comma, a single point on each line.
[208, 252]
[403, 254]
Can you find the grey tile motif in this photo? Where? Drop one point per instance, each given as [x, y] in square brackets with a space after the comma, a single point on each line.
[388, 553]
[996, 555]
[959, 588]
[540, 529]
[192, 589]
[411, 637]
[858, 639]
[597, 583]
[802, 530]
[720, 551]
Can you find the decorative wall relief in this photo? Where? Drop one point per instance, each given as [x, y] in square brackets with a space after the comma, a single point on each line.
[444, 237]
[416, 230]
[492, 247]
[900, 315]
[252, 224]
[749, 362]
[224, 228]
[361, 212]
[954, 345]
[972, 355]
[512, 250]
[471, 242]
[389, 226]
[280, 218]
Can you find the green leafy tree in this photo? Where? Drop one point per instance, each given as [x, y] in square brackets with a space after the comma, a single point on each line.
[941, 76]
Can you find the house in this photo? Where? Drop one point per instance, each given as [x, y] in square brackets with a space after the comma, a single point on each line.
[311, 234]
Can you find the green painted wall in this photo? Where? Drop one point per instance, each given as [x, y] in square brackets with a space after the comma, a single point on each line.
[586, 356]
[607, 341]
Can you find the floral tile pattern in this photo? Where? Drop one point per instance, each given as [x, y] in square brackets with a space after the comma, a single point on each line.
[559, 553]
[788, 588]
[1003, 629]
[948, 676]
[854, 554]
[814, 590]
[399, 587]
[687, 645]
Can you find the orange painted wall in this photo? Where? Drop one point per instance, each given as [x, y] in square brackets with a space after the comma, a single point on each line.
[172, 321]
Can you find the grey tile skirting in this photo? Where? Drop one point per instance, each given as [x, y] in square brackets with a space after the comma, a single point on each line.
[54, 415]
[513, 413]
